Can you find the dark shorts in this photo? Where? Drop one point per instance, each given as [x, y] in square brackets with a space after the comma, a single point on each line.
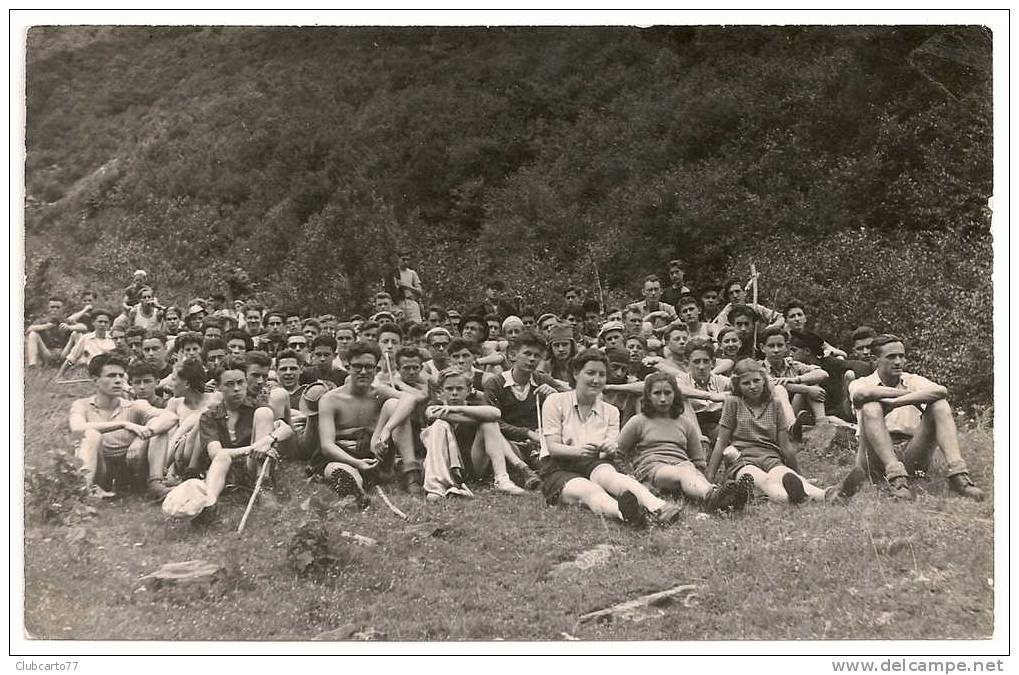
[762, 459]
[555, 475]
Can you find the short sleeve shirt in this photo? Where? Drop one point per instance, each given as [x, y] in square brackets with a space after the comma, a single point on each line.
[88, 347]
[904, 420]
[750, 428]
[561, 416]
[789, 368]
[716, 384]
[137, 412]
[213, 426]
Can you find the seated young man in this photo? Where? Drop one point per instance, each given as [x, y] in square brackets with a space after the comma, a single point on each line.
[700, 357]
[90, 345]
[689, 309]
[903, 418]
[261, 391]
[147, 313]
[145, 386]
[323, 358]
[45, 339]
[807, 348]
[154, 353]
[462, 441]
[795, 313]
[636, 349]
[862, 337]
[737, 295]
[618, 374]
[293, 324]
[357, 421]
[368, 333]
[238, 342]
[298, 343]
[652, 291]
[611, 334]
[135, 337]
[311, 329]
[675, 338]
[113, 429]
[744, 318]
[438, 340]
[237, 433]
[184, 457]
[796, 384]
[677, 289]
[345, 335]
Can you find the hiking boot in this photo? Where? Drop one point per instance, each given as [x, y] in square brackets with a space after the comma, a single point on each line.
[850, 485]
[898, 487]
[505, 485]
[796, 428]
[633, 513]
[525, 475]
[667, 515]
[731, 496]
[963, 485]
[345, 485]
[794, 488]
[156, 488]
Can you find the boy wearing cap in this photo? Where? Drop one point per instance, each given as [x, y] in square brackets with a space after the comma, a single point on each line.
[619, 374]
[611, 334]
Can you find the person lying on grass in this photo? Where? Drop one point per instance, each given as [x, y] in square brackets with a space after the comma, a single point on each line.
[580, 431]
[668, 450]
[115, 429]
[754, 423]
[237, 433]
[463, 441]
[360, 421]
[903, 418]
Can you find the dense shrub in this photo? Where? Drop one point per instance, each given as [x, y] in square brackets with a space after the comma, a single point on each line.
[56, 491]
[307, 156]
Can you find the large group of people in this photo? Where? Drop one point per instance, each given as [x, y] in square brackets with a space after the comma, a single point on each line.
[701, 396]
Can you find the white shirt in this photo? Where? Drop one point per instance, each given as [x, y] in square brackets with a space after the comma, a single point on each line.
[560, 416]
[904, 420]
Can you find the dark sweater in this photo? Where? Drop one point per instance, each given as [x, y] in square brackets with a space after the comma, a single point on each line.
[518, 417]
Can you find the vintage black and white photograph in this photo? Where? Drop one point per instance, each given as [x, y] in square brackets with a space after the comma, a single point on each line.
[434, 333]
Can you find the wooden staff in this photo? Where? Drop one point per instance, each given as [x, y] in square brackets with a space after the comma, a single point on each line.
[385, 500]
[254, 494]
[541, 427]
[78, 381]
[753, 280]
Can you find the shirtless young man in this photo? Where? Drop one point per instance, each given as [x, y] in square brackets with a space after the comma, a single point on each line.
[363, 407]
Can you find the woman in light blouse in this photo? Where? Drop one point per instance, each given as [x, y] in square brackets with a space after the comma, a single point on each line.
[579, 433]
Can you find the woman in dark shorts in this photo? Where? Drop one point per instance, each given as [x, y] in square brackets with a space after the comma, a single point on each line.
[579, 431]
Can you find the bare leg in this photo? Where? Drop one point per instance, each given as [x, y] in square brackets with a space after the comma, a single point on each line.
[683, 477]
[36, 350]
[782, 397]
[615, 483]
[215, 478]
[591, 495]
[807, 402]
[158, 446]
[875, 434]
[490, 447]
[937, 429]
[88, 451]
[137, 458]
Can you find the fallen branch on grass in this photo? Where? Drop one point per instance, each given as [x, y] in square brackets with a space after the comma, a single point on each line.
[359, 538]
[634, 609]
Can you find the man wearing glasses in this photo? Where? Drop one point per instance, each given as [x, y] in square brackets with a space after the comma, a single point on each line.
[361, 420]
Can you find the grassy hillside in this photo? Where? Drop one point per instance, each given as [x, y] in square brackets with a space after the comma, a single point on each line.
[305, 156]
[874, 569]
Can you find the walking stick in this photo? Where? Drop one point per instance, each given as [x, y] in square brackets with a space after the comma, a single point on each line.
[753, 279]
[541, 434]
[388, 503]
[254, 494]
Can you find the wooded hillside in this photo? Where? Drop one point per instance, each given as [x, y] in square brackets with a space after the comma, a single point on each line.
[853, 164]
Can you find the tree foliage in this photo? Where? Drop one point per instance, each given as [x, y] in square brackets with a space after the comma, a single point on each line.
[305, 155]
